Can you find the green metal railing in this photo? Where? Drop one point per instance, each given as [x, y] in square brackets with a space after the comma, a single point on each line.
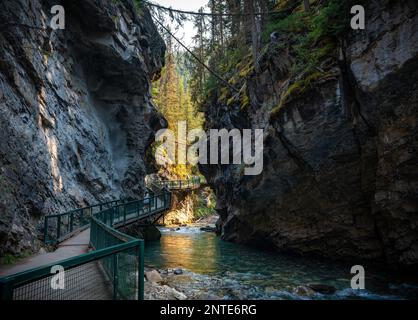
[62, 226]
[123, 270]
[114, 270]
[83, 278]
[192, 183]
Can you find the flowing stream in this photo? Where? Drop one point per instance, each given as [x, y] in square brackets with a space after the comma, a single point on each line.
[213, 268]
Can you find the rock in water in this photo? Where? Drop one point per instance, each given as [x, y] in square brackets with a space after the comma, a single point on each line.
[178, 271]
[153, 276]
[179, 295]
[322, 288]
[208, 229]
[154, 291]
[304, 291]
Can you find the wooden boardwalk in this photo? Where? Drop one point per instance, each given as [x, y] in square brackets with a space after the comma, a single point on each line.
[85, 282]
[72, 247]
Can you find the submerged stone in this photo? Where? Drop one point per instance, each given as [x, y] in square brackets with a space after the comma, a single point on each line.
[178, 271]
[322, 288]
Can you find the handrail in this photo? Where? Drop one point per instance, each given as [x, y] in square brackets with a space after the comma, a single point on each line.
[179, 184]
[32, 275]
[68, 223]
[120, 256]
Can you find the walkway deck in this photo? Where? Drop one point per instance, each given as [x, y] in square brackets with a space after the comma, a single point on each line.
[70, 248]
[93, 285]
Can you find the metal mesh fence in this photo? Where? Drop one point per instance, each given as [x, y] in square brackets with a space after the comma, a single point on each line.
[111, 273]
[122, 268]
[85, 282]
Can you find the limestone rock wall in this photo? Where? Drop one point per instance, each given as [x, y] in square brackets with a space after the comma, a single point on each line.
[76, 115]
[340, 160]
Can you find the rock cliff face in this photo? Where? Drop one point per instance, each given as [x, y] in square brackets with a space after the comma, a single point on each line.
[340, 174]
[75, 109]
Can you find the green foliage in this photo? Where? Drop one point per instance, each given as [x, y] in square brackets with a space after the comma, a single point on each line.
[231, 58]
[313, 36]
[236, 67]
[204, 210]
[227, 47]
[293, 23]
[211, 86]
[10, 259]
[138, 6]
[171, 94]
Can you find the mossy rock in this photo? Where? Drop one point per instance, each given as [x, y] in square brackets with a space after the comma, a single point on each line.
[299, 88]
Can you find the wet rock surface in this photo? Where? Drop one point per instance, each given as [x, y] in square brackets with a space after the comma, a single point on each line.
[339, 176]
[192, 286]
[208, 229]
[153, 276]
[322, 288]
[75, 111]
[156, 287]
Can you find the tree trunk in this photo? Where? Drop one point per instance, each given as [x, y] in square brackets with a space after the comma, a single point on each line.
[234, 7]
[264, 7]
[306, 5]
[251, 30]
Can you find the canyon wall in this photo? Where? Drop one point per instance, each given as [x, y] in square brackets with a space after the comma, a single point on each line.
[340, 174]
[75, 109]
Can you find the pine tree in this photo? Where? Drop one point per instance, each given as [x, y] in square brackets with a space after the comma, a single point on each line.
[172, 98]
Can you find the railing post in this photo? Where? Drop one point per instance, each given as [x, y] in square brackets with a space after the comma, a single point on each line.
[71, 221]
[46, 230]
[59, 227]
[115, 276]
[81, 217]
[6, 291]
[141, 271]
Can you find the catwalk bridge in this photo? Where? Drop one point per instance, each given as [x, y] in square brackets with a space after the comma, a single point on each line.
[99, 262]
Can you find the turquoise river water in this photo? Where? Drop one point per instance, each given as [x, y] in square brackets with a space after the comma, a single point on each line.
[229, 271]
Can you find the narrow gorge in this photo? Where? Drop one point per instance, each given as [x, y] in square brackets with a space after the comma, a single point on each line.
[87, 181]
